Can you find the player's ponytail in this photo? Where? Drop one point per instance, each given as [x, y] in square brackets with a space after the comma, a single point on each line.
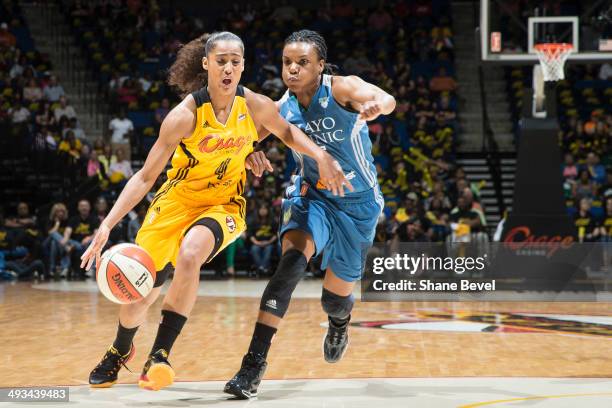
[187, 74]
[316, 39]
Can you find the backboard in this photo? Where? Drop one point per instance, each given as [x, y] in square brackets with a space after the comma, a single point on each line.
[510, 29]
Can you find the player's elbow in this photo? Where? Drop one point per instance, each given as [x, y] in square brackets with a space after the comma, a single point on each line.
[146, 178]
[390, 103]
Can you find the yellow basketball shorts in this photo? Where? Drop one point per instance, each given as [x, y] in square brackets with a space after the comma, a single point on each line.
[168, 220]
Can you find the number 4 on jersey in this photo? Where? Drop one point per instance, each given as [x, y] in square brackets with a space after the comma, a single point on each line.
[220, 172]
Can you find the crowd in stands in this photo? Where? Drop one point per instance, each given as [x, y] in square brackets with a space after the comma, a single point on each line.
[403, 47]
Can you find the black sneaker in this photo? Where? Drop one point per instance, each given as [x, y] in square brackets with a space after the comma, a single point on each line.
[157, 372]
[105, 373]
[245, 382]
[336, 341]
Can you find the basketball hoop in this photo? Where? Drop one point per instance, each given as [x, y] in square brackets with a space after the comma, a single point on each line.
[552, 58]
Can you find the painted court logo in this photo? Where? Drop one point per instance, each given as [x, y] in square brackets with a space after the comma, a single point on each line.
[496, 322]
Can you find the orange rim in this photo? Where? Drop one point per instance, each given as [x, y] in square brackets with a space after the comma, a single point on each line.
[553, 48]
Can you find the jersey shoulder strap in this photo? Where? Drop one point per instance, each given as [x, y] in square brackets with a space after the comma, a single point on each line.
[201, 97]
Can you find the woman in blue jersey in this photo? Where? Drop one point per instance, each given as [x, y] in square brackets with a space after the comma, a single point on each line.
[317, 218]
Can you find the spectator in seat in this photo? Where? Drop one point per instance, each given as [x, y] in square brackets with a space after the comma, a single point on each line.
[18, 67]
[7, 249]
[80, 231]
[584, 187]
[284, 12]
[597, 172]
[71, 145]
[54, 244]
[161, 112]
[45, 117]
[442, 82]
[121, 169]
[121, 128]
[605, 72]
[272, 83]
[262, 240]
[32, 92]
[73, 127]
[106, 159]
[464, 221]
[101, 209]
[570, 170]
[64, 109]
[7, 39]
[357, 63]
[53, 91]
[380, 20]
[438, 216]
[412, 230]
[94, 168]
[586, 226]
[23, 220]
[128, 92]
[20, 115]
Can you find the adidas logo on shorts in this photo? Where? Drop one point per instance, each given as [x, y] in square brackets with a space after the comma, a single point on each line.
[271, 303]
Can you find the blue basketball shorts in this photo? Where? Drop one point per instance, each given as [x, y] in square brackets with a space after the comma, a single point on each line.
[342, 229]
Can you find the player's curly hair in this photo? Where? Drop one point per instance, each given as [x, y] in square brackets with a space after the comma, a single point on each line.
[186, 74]
[316, 39]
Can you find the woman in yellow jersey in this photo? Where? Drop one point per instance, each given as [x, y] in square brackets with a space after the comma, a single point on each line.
[200, 209]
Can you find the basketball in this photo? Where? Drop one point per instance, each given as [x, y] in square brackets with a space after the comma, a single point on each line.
[126, 274]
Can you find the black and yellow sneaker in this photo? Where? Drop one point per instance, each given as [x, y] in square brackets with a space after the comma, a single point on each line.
[105, 373]
[157, 372]
[247, 379]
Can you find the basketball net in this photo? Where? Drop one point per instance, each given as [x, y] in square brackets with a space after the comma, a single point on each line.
[552, 58]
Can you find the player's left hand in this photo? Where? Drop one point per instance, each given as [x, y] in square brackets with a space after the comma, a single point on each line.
[370, 110]
[257, 162]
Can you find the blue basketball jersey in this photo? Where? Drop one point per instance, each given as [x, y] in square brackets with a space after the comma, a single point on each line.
[337, 130]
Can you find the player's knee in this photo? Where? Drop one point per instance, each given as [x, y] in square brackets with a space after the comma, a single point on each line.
[277, 294]
[335, 305]
[189, 260]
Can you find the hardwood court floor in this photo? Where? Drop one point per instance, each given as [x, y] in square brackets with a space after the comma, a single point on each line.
[52, 337]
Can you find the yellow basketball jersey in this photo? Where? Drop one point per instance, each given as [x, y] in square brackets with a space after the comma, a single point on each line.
[208, 166]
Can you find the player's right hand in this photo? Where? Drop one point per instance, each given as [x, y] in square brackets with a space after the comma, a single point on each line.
[332, 176]
[94, 251]
[257, 162]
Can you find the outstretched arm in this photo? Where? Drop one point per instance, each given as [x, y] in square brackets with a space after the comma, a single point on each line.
[178, 124]
[368, 99]
[266, 114]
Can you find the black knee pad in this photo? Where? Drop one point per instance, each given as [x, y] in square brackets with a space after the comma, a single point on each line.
[337, 306]
[290, 270]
